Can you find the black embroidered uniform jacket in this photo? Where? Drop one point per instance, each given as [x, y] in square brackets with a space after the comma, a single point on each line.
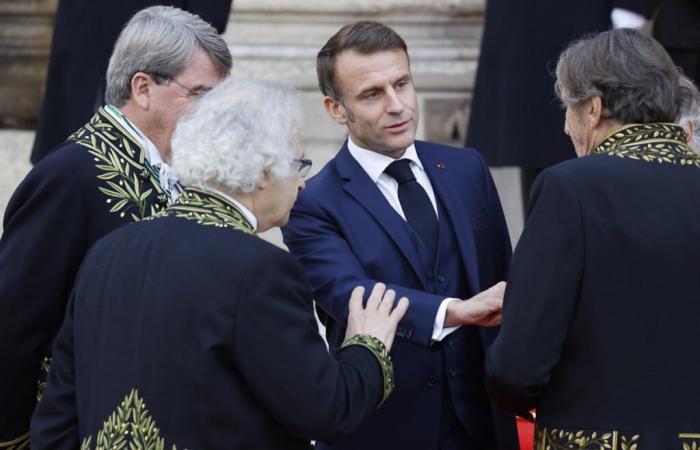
[212, 329]
[600, 319]
[90, 185]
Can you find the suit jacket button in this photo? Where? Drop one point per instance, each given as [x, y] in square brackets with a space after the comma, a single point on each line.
[441, 278]
[401, 332]
[453, 373]
[432, 382]
[450, 342]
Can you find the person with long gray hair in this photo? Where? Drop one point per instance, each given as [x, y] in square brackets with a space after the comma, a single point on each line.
[599, 329]
[201, 334]
[112, 171]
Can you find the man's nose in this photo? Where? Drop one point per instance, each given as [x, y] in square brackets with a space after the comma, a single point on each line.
[395, 106]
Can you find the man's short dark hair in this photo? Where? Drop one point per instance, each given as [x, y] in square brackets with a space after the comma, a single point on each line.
[365, 37]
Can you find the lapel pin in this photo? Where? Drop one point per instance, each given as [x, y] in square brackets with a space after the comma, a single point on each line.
[440, 166]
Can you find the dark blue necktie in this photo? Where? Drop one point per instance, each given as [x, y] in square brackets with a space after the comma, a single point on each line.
[415, 203]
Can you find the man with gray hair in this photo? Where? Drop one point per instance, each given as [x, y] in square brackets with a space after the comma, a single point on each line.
[111, 172]
[209, 326]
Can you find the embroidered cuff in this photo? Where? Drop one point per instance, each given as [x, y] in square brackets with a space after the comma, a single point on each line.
[20, 442]
[378, 349]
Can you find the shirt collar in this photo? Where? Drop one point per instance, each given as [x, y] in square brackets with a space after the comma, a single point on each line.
[250, 217]
[375, 163]
[149, 148]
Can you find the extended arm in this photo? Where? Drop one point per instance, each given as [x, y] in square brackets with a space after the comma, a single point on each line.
[278, 350]
[541, 297]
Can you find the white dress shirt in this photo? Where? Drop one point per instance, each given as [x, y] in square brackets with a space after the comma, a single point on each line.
[624, 18]
[248, 214]
[374, 164]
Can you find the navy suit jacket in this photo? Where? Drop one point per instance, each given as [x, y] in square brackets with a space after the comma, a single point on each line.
[345, 234]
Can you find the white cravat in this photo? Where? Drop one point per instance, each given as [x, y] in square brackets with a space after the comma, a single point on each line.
[374, 164]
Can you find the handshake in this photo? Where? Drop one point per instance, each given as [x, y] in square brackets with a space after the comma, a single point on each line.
[379, 317]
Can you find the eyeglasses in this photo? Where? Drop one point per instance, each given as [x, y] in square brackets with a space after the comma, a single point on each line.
[193, 93]
[189, 92]
[304, 166]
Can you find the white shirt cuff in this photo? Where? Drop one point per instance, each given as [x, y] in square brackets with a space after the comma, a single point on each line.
[624, 18]
[439, 330]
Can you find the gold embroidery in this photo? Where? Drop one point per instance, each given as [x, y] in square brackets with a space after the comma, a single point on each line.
[21, 443]
[208, 208]
[556, 439]
[121, 162]
[690, 441]
[378, 349]
[654, 142]
[129, 427]
[43, 373]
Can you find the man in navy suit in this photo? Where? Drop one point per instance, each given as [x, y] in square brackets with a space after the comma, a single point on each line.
[426, 220]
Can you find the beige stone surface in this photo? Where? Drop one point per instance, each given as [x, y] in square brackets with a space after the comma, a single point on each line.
[14, 162]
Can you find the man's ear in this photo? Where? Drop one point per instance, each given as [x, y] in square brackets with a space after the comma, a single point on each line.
[141, 85]
[594, 111]
[689, 128]
[336, 110]
[264, 180]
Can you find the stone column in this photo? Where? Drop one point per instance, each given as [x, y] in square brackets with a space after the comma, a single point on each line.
[25, 38]
[278, 41]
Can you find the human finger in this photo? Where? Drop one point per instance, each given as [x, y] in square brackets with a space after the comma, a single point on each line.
[387, 301]
[375, 296]
[398, 312]
[355, 304]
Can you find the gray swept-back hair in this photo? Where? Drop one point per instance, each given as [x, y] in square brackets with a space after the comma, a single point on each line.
[235, 133]
[632, 74]
[159, 41]
[690, 110]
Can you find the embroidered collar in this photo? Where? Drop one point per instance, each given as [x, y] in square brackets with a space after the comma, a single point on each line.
[130, 190]
[652, 142]
[209, 208]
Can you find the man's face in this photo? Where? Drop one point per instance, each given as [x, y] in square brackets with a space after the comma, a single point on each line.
[378, 103]
[281, 194]
[172, 99]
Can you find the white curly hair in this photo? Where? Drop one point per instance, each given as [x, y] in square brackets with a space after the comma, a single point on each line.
[235, 133]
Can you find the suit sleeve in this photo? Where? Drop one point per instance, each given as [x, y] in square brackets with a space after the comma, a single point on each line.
[278, 350]
[495, 251]
[334, 271]
[40, 252]
[541, 296]
[55, 421]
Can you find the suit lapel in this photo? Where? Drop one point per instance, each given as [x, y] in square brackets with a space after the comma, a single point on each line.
[365, 191]
[442, 178]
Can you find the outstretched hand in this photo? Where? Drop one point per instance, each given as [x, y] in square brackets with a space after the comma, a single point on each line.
[378, 318]
[484, 309]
